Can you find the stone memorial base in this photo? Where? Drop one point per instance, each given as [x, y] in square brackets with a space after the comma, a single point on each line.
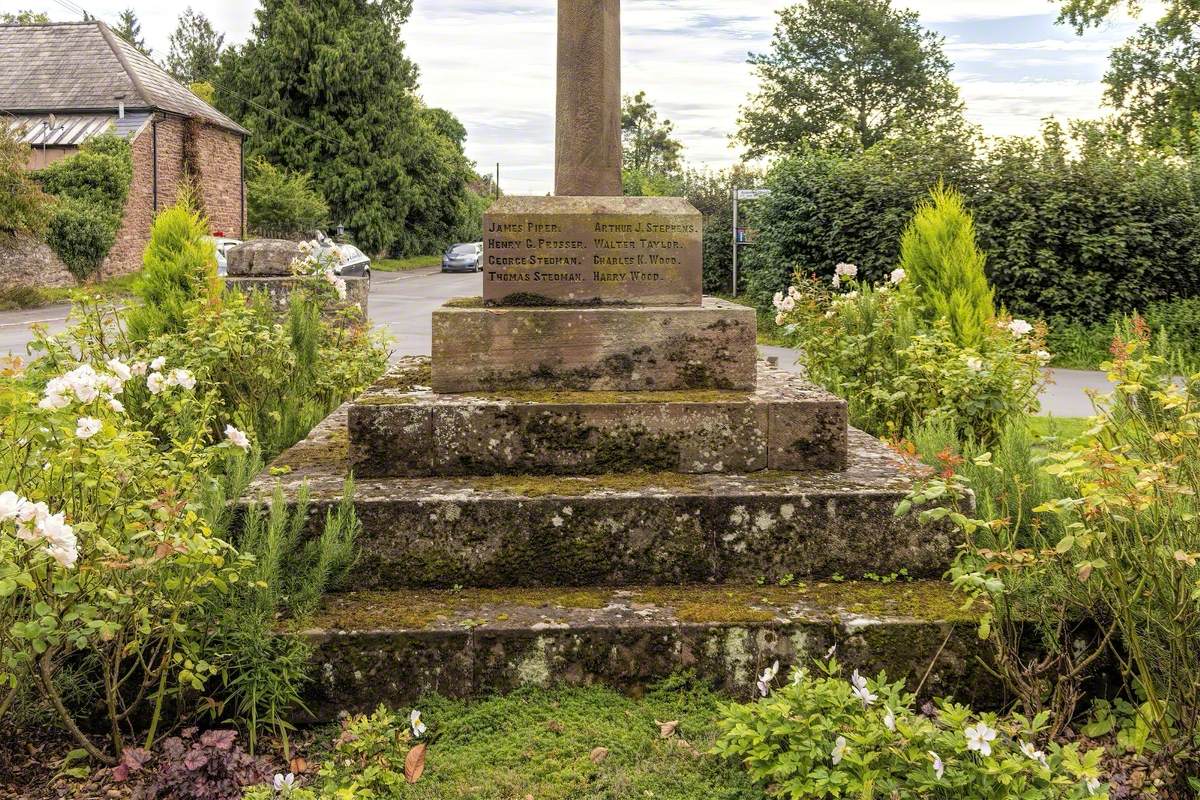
[402, 429]
[278, 291]
[622, 349]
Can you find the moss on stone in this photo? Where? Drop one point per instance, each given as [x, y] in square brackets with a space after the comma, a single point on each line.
[572, 397]
[465, 302]
[419, 610]
[404, 379]
[576, 486]
[316, 452]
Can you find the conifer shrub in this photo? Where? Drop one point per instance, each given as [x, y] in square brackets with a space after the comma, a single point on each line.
[943, 264]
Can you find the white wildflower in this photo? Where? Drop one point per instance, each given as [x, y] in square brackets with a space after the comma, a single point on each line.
[340, 286]
[1033, 754]
[980, 738]
[839, 750]
[237, 438]
[889, 721]
[798, 676]
[765, 680]
[897, 277]
[794, 292]
[780, 318]
[1043, 356]
[1093, 785]
[418, 727]
[284, 782]
[939, 769]
[861, 691]
[87, 427]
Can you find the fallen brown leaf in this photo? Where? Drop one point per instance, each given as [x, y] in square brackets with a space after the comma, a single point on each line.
[599, 754]
[414, 764]
[667, 729]
[554, 726]
[298, 765]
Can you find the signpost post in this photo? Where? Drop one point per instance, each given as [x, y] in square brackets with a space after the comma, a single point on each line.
[739, 195]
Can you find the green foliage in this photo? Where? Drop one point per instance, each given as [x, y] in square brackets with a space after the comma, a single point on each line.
[92, 186]
[648, 144]
[1081, 226]
[25, 18]
[130, 29]
[824, 737]
[81, 234]
[537, 742]
[24, 208]
[1175, 325]
[282, 203]
[1117, 546]
[195, 49]
[328, 90]
[264, 675]
[939, 256]
[875, 347]
[845, 74]
[179, 266]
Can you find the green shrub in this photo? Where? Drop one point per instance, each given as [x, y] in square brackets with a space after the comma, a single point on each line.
[820, 736]
[24, 208]
[874, 347]
[939, 257]
[1081, 226]
[282, 203]
[1116, 545]
[180, 266]
[92, 186]
[81, 234]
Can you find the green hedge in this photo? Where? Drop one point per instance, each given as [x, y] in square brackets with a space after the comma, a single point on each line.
[91, 187]
[1080, 226]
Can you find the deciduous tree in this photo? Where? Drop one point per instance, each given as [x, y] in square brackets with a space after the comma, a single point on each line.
[648, 142]
[844, 74]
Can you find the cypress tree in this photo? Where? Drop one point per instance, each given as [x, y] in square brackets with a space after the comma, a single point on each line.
[326, 88]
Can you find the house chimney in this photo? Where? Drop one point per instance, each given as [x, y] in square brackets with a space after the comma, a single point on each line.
[120, 98]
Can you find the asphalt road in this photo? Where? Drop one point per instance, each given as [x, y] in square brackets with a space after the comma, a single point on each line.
[402, 304]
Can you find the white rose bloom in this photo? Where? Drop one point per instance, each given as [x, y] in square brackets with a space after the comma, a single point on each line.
[1020, 327]
[10, 504]
[54, 402]
[897, 277]
[87, 427]
[116, 405]
[118, 368]
[65, 553]
[340, 286]
[780, 318]
[156, 382]
[778, 299]
[54, 529]
[139, 368]
[182, 378]
[793, 292]
[237, 438]
[1043, 355]
[788, 304]
[36, 513]
[158, 363]
[845, 270]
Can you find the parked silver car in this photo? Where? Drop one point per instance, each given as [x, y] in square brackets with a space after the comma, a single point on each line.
[223, 245]
[463, 258]
[354, 263]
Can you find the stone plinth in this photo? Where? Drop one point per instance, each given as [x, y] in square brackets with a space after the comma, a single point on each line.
[592, 250]
[477, 349]
[262, 258]
[279, 291]
[400, 428]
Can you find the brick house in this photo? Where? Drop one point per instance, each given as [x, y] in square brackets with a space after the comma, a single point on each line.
[63, 83]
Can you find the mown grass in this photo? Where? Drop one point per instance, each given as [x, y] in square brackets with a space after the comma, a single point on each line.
[539, 743]
[405, 264]
[26, 297]
[1064, 429]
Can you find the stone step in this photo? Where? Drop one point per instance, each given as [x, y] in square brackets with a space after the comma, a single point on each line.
[400, 428]
[656, 528]
[620, 349]
[394, 647]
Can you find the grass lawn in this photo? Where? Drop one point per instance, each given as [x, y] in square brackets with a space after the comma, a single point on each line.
[35, 296]
[405, 264]
[540, 743]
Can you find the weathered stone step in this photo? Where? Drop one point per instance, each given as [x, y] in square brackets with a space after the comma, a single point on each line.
[647, 348]
[394, 647]
[621, 529]
[400, 428]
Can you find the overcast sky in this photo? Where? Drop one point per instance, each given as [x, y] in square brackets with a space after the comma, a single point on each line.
[491, 62]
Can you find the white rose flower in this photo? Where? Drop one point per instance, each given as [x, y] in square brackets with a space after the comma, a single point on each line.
[793, 292]
[788, 304]
[237, 438]
[158, 363]
[155, 382]
[66, 553]
[340, 286]
[845, 270]
[87, 427]
[1019, 328]
[116, 405]
[54, 402]
[139, 368]
[897, 277]
[778, 299]
[182, 378]
[10, 504]
[118, 368]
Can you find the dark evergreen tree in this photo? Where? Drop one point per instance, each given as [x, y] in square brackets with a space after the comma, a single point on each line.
[195, 48]
[129, 29]
[327, 89]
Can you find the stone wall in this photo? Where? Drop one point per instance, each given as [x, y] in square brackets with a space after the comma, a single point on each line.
[29, 262]
[216, 160]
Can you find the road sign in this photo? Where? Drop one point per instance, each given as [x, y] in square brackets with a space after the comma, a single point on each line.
[753, 194]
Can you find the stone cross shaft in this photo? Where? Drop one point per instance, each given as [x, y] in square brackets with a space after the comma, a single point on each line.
[588, 131]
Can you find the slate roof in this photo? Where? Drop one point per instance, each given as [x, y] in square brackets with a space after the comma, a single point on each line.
[84, 67]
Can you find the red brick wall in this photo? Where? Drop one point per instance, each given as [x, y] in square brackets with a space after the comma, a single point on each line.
[216, 157]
